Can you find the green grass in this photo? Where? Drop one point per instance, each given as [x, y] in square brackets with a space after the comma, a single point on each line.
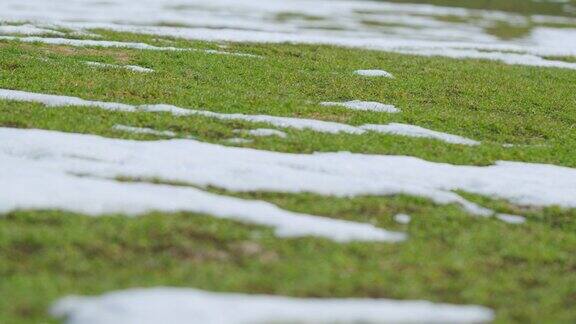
[524, 272]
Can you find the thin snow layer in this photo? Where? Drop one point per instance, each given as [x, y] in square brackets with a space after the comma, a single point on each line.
[89, 43]
[134, 68]
[27, 29]
[263, 132]
[283, 122]
[417, 131]
[378, 25]
[143, 130]
[363, 106]
[238, 140]
[115, 44]
[186, 305]
[39, 168]
[511, 219]
[374, 73]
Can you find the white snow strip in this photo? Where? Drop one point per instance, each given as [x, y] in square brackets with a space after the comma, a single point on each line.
[27, 29]
[417, 131]
[114, 44]
[89, 43]
[37, 164]
[363, 106]
[511, 219]
[143, 130]
[402, 218]
[187, 305]
[134, 68]
[263, 132]
[238, 140]
[374, 73]
[282, 122]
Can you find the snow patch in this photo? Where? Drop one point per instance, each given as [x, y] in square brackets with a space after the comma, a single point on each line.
[511, 219]
[402, 218]
[238, 140]
[27, 29]
[374, 73]
[114, 44]
[134, 68]
[264, 132]
[36, 164]
[363, 106]
[143, 130]
[186, 305]
[417, 131]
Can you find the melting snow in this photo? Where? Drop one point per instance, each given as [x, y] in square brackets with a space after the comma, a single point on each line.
[266, 132]
[100, 43]
[511, 219]
[134, 68]
[363, 106]
[403, 28]
[184, 306]
[78, 177]
[283, 122]
[143, 130]
[238, 140]
[374, 73]
[27, 29]
[36, 164]
[417, 131]
[402, 218]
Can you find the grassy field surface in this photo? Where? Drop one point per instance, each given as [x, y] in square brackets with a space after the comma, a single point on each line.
[526, 273]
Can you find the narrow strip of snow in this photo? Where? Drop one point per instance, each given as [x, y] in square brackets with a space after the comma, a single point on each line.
[134, 68]
[35, 164]
[187, 305]
[115, 44]
[89, 43]
[374, 73]
[417, 131]
[238, 140]
[263, 132]
[402, 218]
[143, 130]
[282, 122]
[511, 219]
[363, 106]
[27, 29]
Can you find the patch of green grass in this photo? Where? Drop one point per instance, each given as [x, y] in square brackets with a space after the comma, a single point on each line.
[524, 272]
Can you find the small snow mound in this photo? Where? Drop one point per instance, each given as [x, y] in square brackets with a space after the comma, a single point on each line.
[374, 73]
[511, 219]
[402, 218]
[362, 106]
